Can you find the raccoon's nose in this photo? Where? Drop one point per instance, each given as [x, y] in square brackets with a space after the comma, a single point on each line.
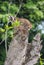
[29, 27]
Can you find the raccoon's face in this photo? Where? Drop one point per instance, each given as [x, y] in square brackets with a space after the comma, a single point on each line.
[22, 30]
[24, 26]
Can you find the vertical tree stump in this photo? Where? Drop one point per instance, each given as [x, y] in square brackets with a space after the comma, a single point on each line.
[20, 51]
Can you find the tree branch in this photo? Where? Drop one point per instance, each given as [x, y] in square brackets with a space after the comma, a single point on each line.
[19, 8]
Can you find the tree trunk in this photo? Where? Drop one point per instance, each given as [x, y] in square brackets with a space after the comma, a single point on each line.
[24, 53]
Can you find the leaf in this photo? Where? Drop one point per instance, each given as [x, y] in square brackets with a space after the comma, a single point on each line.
[16, 23]
[30, 5]
[3, 8]
[10, 33]
[39, 13]
[6, 27]
[5, 19]
[2, 30]
[1, 16]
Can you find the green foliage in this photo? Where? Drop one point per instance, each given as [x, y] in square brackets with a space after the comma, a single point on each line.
[31, 9]
[41, 62]
[2, 30]
[2, 54]
[5, 6]
[16, 23]
[5, 20]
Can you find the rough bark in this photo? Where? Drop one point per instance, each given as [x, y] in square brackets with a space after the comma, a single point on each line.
[24, 54]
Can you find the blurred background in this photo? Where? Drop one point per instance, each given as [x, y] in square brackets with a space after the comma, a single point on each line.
[33, 10]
